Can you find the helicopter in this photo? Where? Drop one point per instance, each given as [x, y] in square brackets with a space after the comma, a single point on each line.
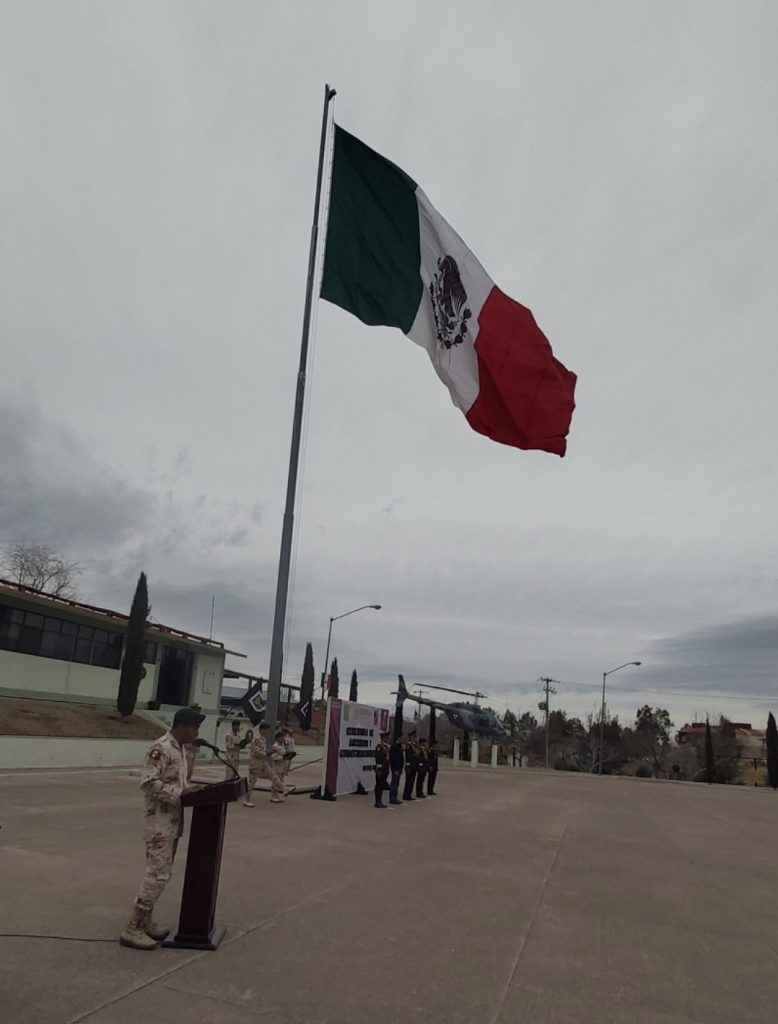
[462, 714]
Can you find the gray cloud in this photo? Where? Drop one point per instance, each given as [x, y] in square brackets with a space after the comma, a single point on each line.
[153, 257]
[55, 492]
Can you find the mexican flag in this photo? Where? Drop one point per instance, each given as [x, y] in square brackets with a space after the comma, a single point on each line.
[391, 259]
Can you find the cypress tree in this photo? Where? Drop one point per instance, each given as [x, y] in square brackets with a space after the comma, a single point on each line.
[303, 709]
[352, 693]
[334, 681]
[132, 664]
[710, 759]
[772, 751]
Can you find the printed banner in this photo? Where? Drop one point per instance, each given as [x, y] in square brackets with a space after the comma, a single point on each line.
[353, 731]
[253, 704]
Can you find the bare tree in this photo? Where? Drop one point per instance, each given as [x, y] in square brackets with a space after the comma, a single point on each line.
[39, 566]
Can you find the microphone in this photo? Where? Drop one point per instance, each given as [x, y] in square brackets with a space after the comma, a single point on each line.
[204, 743]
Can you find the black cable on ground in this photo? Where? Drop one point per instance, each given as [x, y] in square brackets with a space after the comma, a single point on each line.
[61, 938]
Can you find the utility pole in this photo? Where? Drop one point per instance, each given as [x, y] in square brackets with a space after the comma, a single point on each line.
[547, 689]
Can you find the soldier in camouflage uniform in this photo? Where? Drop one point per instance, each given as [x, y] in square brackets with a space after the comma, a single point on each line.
[164, 782]
[290, 753]
[258, 764]
[277, 755]
[233, 746]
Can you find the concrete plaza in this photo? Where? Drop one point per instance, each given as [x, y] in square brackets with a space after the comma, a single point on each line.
[511, 897]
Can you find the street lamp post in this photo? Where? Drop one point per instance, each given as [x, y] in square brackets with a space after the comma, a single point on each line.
[334, 618]
[602, 709]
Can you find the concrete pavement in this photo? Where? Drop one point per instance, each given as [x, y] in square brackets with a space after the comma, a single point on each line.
[512, 897]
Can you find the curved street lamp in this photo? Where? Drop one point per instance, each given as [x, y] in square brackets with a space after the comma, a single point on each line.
[602, 710]
[334, 618]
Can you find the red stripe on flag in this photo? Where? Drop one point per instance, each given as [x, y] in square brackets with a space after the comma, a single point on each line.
[525, 396]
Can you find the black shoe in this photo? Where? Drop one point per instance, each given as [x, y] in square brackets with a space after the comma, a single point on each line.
[380, 805]
[421, 796]
[395, 801]
[431, 794]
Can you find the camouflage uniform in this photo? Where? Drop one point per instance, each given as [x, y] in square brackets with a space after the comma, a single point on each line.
[190, 752]
[286, 764]
[277, 791]
[164, 780]
[232, 743]
[258, 761]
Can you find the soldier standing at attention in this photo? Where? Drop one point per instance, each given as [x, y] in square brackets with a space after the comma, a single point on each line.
[277, 755]
[381, 768]
[164, 782]
[411, 765]
[257, 760]
[422, 770]
[233, 747]
[432, 768]
[396, 764]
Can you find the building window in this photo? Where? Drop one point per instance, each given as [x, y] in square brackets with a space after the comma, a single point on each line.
[150, 652]
[49, 637]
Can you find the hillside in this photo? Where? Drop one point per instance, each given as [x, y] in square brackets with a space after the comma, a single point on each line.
[21, 716]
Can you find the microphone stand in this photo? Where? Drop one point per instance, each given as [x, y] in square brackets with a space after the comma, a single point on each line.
[219, 756]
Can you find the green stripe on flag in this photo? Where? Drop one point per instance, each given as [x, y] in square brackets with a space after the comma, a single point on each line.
[372, 257]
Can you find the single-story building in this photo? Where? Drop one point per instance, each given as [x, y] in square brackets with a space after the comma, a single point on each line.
[55, 648]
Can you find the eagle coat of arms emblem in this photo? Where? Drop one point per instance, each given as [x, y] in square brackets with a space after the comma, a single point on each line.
[448, 297]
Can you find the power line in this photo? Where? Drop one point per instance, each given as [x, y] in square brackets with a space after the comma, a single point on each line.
[547, 689]
[758, 698]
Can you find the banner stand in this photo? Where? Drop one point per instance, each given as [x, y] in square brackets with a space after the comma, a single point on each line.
[322, 792]
[352, 731]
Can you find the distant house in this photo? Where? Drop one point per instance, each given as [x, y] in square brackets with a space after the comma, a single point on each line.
[58, 649]
[750, 743]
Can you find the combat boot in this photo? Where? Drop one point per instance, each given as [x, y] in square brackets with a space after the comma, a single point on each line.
[156, 931]
[137, 939]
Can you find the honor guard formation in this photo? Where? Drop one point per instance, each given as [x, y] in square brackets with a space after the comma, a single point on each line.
[416, 757]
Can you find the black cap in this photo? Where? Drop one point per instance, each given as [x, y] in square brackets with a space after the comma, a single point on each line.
[187, 716]
[263, 726]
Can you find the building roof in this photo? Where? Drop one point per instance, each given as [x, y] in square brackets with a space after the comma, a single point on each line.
[739, 728]
[9, 587]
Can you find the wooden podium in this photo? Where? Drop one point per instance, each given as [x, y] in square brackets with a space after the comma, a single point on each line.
[196, 927]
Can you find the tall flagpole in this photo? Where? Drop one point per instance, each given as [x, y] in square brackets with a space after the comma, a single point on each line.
[282, 586]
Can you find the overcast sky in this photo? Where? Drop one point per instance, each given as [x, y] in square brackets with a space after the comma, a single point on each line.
[613, 166]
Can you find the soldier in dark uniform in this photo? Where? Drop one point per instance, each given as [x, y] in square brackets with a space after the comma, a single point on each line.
[396, 765]
[432, 768]
[381, 768]
[422, 769]
[411, 765]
